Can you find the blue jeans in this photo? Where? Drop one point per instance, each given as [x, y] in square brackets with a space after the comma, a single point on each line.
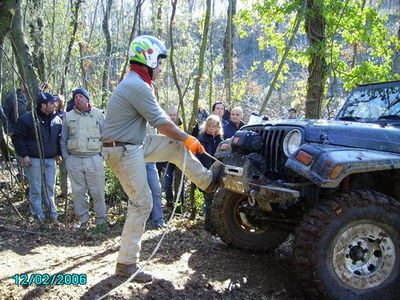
[153, 180]
[171, 171]
[36, 194]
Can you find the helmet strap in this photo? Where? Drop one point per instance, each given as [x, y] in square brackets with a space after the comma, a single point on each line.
[150, 70]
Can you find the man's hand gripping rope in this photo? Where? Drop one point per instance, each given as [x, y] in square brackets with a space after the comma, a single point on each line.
[193, 145]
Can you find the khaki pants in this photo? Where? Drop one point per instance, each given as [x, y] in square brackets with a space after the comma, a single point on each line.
[128, 163]
[87, 175]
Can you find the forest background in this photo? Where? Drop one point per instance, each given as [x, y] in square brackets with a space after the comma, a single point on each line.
[265, 56]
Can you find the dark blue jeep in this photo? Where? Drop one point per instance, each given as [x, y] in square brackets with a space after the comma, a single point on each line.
[335, 183]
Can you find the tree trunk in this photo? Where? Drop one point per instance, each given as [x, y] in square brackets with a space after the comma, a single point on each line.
[23, 56]
[173, 67]
[107, 35]
[50, 53]
[355, 46]
[135, 20]
[3, 144]
[228, 50]
[156, 18]
[271, 88]
[36, 30]
[315, 29]
[199, 75]
[82, 53]
[93, 22]
[159, 19]
[74, 25]
[7, 12]
[212, 57]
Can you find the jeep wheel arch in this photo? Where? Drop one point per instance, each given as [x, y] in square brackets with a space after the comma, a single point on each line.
[238, 231]
[349, 247]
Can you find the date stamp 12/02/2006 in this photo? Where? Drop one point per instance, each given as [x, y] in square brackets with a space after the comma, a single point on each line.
[49, 279]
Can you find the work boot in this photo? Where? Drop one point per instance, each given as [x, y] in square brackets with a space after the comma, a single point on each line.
[217, 170]
[128, 270]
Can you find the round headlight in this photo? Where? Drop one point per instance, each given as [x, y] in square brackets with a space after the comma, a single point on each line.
[292, 142]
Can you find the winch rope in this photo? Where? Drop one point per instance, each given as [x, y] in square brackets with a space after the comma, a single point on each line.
[210, 156]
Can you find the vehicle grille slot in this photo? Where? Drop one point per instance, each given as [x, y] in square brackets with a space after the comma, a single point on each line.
[273, 141]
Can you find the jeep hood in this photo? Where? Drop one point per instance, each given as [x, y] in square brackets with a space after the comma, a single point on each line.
[383, 137]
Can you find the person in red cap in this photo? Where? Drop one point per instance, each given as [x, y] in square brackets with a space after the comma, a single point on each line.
[27, 147]
[126, 148]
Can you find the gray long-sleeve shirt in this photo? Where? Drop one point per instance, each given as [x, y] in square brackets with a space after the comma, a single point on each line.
[131, 106]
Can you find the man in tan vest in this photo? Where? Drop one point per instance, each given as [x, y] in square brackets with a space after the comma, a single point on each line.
[81, 148]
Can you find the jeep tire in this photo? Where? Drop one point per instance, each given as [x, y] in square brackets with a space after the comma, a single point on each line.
[349, 247]
[237, 231]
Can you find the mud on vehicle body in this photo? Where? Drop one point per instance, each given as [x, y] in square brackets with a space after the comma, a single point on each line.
[335, 183]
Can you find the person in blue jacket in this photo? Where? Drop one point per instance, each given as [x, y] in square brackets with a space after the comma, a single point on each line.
[31, 150]
[234, 123]
[210, 136]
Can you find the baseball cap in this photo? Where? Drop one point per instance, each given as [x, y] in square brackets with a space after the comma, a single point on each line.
[45, 98]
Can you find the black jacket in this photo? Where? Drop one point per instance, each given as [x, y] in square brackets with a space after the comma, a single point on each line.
[24, 139]
[210, 143]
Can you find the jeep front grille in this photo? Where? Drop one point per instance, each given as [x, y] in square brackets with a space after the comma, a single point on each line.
[273, 153]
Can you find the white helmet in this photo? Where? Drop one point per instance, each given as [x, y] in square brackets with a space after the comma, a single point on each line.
[146, 49]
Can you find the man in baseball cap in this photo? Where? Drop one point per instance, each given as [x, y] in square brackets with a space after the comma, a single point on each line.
[27, 147]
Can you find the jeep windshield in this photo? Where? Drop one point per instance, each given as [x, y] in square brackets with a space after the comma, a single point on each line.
[374, 103]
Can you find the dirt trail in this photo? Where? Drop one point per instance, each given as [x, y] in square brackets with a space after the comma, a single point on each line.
[191, 264]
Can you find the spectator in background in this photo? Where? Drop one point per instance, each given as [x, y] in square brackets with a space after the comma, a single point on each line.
[153, 179]
[4, 147]
[63, 176]
[292, 113]
[201, 117]
[172, 175]
[218, 109]
[27, 147]
[81, 147]
[157, 217]
[234, 123]
[15, 104]
[210, 136]
[60, 106]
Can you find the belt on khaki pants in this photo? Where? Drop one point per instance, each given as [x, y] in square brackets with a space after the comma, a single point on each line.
[115, 144]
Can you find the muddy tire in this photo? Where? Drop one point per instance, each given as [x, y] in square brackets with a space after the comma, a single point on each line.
[349, 248]
[237, 231]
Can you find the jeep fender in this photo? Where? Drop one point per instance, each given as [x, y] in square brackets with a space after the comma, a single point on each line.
[331, 164]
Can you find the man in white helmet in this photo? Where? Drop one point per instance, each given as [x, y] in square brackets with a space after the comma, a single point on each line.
[126, 148]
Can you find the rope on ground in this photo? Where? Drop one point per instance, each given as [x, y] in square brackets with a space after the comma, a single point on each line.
[166, 229]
